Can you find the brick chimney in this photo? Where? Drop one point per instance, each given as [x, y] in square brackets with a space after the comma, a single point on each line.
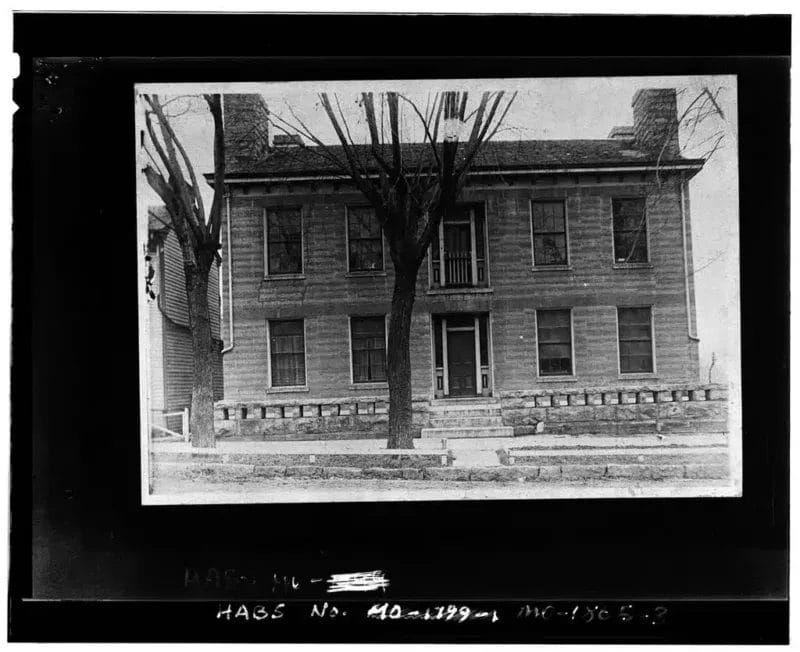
[246, 120]
[655, 122]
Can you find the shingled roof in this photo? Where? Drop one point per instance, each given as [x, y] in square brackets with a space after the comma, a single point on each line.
[496, 155]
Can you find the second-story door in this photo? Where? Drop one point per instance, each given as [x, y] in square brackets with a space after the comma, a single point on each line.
[457, 254]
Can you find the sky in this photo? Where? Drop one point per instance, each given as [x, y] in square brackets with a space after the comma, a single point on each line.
[553, 108]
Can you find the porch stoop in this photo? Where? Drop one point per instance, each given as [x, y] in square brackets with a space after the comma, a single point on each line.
[466, 418]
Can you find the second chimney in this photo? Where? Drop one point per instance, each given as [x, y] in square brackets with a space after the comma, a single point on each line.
[246, 119]
[655, 122]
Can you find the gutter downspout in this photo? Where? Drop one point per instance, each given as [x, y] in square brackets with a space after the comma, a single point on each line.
[692, 337]
[229, 348]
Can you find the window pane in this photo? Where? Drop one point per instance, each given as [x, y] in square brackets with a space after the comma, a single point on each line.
[285, 258]
[550, 250]
[287, 353]
[366, 255]
[363, 223]
[365, 239]
[284, 224]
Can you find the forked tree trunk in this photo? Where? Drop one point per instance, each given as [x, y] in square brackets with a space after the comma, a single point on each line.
[401, 431]
[201, 420]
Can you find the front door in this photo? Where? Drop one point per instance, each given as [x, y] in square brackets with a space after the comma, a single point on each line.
[461, 362]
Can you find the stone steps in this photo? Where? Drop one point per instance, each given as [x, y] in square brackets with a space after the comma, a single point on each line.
[465, 432]
[470, 421]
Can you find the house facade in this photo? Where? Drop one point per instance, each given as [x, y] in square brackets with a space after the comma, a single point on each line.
[563, 279]
[171, 365]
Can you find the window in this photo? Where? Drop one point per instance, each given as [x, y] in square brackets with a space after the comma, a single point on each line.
[549, 233]
[635, 340]
[368, 335]
[365, 240]
[630, 230]
[287, 353]
[554, 338]
[284, 241]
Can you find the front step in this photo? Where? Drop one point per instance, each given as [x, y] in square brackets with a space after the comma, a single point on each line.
[459, 432]
[471, 406]
[466, 421]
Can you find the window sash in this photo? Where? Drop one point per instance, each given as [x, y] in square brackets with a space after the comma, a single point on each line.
[549, 228]
[554, 342]
[630, 230]
[287, 353]
[284, 242]
[635, 337]
[365, 240]
[368, 347]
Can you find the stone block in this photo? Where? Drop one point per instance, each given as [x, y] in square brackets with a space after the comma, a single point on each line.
[697, 395]
[412, 474]
[304, 471]
[549, 473]
[664, 396]
[626, 398]
[594, 399]
[366, 408]
[644, 471]
[610, 398]
[311, 410]
[560, 400]
[381, 407]
[447, 473]
[342, 472]
[383, 474]
[269, 471]
[680, 395]
[544, 401]
[329, 410]
[577, 399]
[482, 475]
[706, 471]
[273, 412]
[582, 471]
[645, 397]
[347, 409]
[291, 411]
[717, 394]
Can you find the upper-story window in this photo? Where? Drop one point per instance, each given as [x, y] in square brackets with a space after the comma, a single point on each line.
[549, 228]
[284, 241]
[630, 230]
[635, 327]
[364, 240]
[554, 340]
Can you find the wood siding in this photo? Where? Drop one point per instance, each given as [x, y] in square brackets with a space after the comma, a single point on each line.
[592, 287]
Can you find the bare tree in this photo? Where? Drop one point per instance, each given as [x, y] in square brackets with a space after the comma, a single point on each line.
[411, 186]
[171, 175]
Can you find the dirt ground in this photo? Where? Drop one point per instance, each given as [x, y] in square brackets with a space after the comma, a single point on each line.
[310, 490]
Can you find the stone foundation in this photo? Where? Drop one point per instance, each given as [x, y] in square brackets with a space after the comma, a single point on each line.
[601, 411]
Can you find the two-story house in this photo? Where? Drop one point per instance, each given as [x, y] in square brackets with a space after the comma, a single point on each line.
[563, 279]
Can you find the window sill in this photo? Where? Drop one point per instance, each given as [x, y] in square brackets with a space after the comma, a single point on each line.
[636, 376]
[633, 266]
[467, 290]
[281, 390]
[365, 274]
[551, 268]
[359, 386]
[285, 277]
[556, 379]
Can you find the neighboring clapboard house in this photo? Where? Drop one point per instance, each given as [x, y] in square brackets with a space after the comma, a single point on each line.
[171, 363]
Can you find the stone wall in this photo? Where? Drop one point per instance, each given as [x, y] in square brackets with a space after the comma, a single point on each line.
[662, 409]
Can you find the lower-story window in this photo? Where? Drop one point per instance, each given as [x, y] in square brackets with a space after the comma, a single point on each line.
[635, 340]
[368, 343]
[287, 353]
[554, 338]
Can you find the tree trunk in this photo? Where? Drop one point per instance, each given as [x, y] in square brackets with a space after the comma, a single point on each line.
[399, 362]
[201, 420]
